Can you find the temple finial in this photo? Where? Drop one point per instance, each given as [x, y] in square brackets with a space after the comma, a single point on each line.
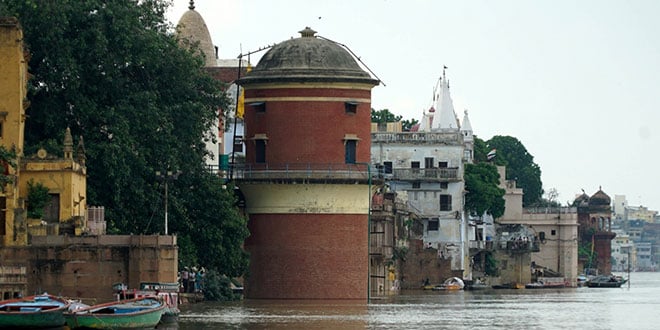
[192, 5]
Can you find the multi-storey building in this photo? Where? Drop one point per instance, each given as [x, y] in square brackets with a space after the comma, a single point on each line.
[595, 230]
[624, 253]
[306, 178]
[225, 142]
[425, 166]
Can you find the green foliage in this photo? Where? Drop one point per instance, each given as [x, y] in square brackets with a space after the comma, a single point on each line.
[7, 159]
[491, 265]
[384, 116]
[480, 150]
[483, 191]
[588, 254]
[218, 287]
[519, 164]
[399, 253]
[113, 72]
[407, 124]
[37, 198]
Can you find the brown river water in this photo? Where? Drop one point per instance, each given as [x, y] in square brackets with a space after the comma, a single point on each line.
[634, 307]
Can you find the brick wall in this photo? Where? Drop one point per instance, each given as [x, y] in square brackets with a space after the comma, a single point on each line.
[87, 267]
[307, 256]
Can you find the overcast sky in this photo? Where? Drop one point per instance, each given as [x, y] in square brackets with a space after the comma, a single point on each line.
[577, 82]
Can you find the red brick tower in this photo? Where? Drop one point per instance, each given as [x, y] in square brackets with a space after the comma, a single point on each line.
[306, 180]
[595, 230]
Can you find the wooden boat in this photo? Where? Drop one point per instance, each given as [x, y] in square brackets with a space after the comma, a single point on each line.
[548, 283]
[124, 314]
[452, 283]
[512, 285]
[167, 292]
[606, 281]
[40, 311]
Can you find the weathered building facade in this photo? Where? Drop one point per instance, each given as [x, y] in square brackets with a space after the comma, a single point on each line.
[595, 231]
[425, 166]
[552, 233]
[45, 251]
[306, 178]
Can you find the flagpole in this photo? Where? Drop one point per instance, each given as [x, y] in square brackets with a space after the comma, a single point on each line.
[233, 140]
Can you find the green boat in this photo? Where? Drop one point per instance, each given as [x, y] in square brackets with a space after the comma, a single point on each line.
[137, 313]
[40, 311]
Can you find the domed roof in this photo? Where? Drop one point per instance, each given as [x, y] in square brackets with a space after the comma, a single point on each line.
[582, 200]
[600, 198]
[308, 58]
[192, 28]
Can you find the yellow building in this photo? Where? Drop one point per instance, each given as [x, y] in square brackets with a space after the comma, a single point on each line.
[63, 176]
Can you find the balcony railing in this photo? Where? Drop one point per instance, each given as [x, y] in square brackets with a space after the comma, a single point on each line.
[425, 174]
[307, 171]
[417, 137]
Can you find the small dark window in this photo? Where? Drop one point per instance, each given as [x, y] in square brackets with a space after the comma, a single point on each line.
[553, 232]
[388, 167]
[444, 185]
[434, 225]
[445, 202]
[259, 107]
[416, 185]
[260, 151]
[238, 144]
[350, 151]
[443, 164]
[415, 167]
[351, 107]
[428, 162]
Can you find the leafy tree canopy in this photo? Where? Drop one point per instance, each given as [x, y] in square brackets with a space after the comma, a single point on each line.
[483, 191]
[385, 116]
[520, 165]
[113, 72]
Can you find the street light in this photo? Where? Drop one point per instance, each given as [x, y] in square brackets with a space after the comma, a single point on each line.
[166, 177]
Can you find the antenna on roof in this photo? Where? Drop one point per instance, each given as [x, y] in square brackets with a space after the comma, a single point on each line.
[355, 56]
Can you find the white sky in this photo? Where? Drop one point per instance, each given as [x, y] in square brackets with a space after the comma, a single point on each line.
[577, 82]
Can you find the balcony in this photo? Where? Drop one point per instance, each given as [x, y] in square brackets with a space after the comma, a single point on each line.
[520, 246]
[315, 173]
[447, 138]
[425, 174]
[481, 245]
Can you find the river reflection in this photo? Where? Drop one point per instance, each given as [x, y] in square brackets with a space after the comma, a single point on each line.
[637, 307]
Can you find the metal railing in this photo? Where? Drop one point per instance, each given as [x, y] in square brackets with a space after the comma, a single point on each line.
[308, 171]
[425, 174]
[417, 137]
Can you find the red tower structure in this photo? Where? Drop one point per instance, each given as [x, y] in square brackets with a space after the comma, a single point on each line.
[595, 230]
[306, 178]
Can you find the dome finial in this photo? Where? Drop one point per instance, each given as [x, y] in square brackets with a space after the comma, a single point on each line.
[307, 32]
[192, 5]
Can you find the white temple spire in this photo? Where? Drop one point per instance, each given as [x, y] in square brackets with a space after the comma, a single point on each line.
[445, 117]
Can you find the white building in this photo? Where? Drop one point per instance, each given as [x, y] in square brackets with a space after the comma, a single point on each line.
[427, 165]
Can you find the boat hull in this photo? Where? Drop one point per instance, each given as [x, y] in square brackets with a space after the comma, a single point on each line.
[32, 312]
[97, 317]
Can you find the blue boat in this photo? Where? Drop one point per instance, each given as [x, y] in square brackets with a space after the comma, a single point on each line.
[40, 311]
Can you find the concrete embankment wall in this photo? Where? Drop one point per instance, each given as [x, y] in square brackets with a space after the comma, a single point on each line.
[87, 267]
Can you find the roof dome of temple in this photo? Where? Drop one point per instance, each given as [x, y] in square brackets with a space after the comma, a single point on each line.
[193, 29]
[600, 198]
[307, 59]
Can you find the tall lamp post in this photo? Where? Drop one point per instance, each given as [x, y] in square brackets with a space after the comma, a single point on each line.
[166, 177]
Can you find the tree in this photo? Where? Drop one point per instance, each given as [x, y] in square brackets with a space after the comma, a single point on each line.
[407, 124]
[483, 191]
[384, 116]
[37, 198]
[113, 72]
[520, 165]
